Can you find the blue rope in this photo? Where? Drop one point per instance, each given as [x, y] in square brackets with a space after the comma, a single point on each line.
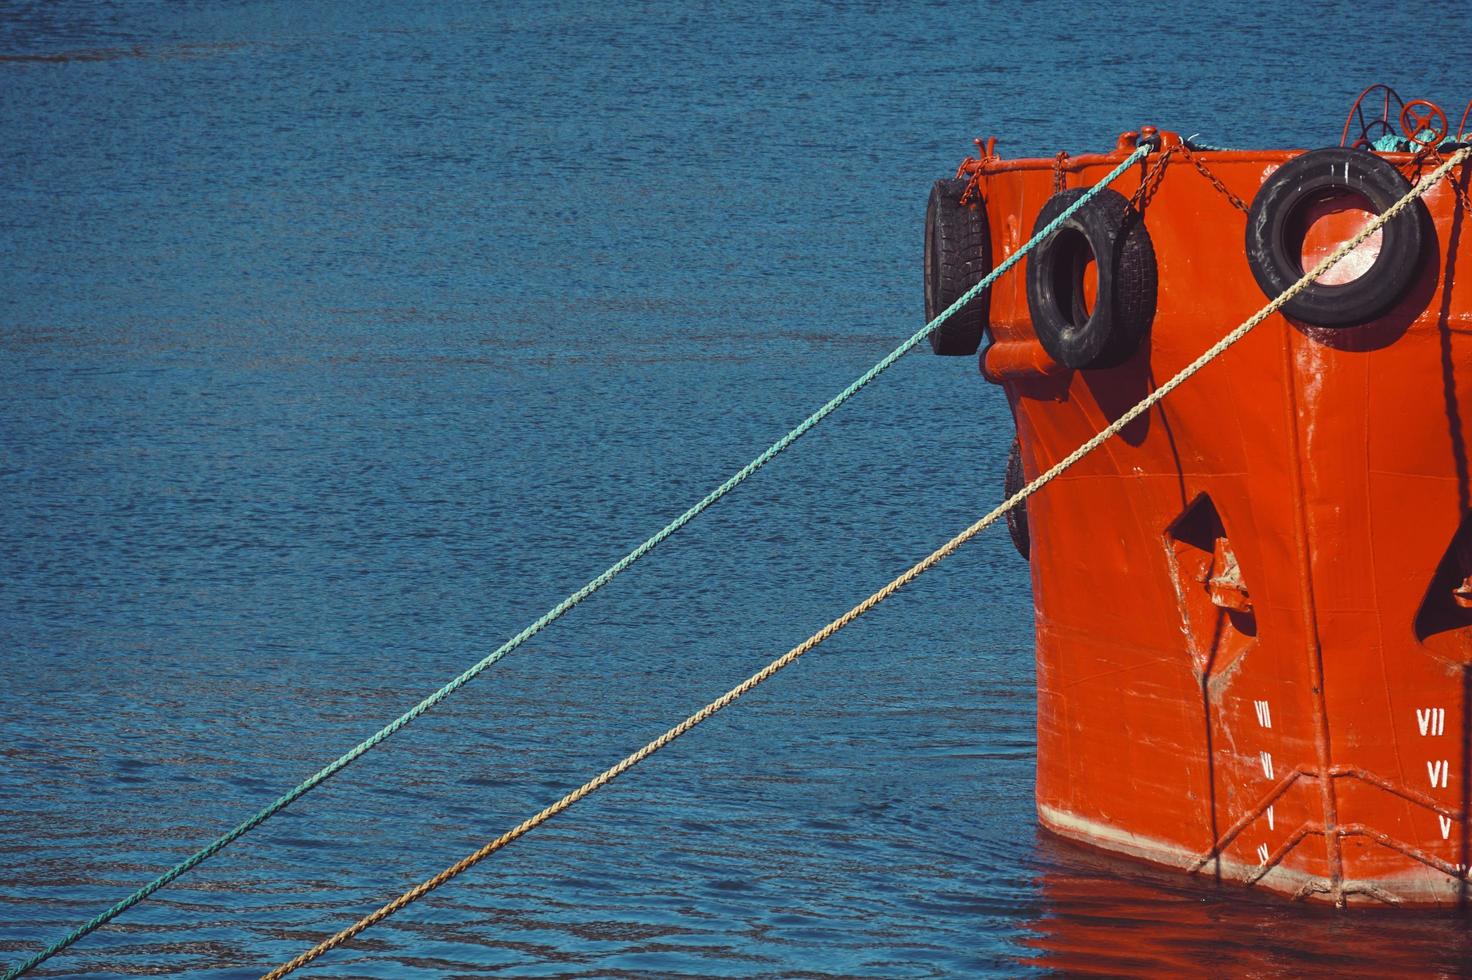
[347, 758]
[1395, 143]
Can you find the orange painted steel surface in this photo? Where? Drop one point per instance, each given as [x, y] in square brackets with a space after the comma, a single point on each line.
[1254, 640]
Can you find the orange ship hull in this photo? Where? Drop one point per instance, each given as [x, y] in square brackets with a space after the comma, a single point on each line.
[1254, 654]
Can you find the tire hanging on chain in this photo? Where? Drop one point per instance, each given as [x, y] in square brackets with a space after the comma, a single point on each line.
[1320, 182]
[957, 257]
[1104, 245]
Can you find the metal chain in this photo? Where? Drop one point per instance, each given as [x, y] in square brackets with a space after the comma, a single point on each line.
[1151, 181]
[1237, 202]
[1412, 168]
[914, 572]
[1460, 189]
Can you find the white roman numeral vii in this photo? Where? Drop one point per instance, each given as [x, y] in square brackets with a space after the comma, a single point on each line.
[1431, 721]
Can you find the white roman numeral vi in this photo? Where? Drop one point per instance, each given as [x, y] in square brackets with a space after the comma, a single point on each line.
[1438, 772]
[1267, 763]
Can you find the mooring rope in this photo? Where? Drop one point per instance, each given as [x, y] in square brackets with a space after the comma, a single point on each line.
[914, 572]
[770, 453]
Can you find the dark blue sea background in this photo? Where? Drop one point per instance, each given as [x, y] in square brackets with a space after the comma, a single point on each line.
[339, 341]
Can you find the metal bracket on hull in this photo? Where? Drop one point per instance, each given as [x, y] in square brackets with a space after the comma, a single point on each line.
[1273, 859]
[1299, 885]
[1212, 597]
[1321, 886]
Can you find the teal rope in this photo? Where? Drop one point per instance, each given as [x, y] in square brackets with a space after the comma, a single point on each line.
[556, 612]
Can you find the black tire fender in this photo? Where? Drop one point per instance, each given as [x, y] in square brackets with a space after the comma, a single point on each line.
[1013, 481]
[1108, 234]
[1275, 228]
[958, 255]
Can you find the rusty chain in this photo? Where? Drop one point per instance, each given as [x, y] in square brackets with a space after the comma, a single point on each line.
[1151, 181]
[1222, 189]
[1060, 179]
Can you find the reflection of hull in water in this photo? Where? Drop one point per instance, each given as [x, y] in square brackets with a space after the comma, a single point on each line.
[1253, 633]
[1105, 917]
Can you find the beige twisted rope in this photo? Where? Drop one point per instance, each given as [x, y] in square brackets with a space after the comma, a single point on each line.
[915, 571]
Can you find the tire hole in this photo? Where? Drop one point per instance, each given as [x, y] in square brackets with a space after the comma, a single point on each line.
[1075, 277]
[1322, 224]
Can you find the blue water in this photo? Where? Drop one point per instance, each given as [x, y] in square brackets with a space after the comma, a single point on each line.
[340, 341]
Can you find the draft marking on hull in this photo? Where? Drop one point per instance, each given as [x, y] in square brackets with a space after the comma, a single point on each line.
[1438, 771]
[1431, 721]
[1446, 826]
[1267, 763]
[1264, 714]
[1270, 819]
[1262, 854]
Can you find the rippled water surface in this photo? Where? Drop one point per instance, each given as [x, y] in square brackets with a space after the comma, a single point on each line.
[338, 342]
